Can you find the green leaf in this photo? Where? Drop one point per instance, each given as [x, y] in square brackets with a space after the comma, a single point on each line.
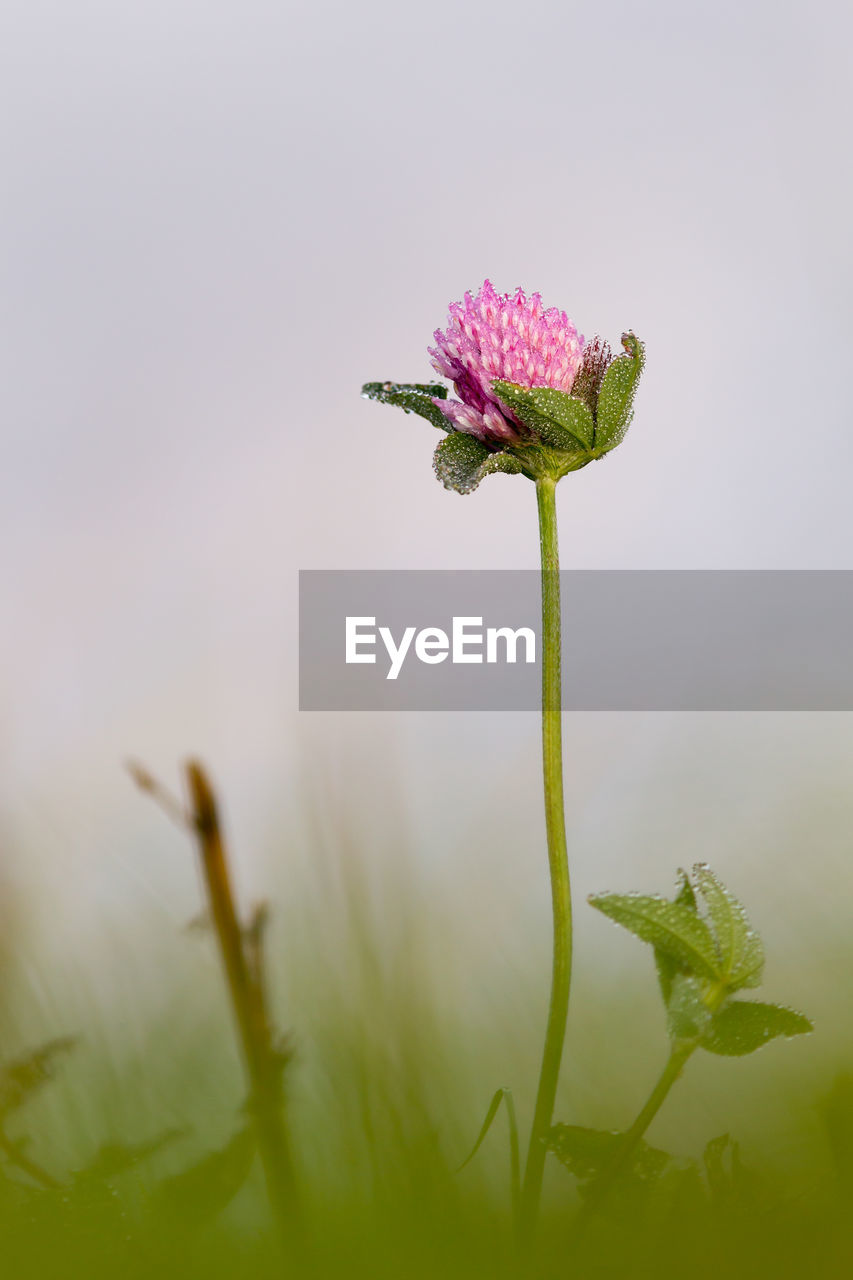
[554, 416]
[203, 1190]
[686, 894]
[411, 397]
[461, 462]
[587, 1153]
[115, 1158]
[616, 398]
[667, 966]
[740, 948]
[720, 1179]
[687, 1014]
[742, 1026]
[673, 928]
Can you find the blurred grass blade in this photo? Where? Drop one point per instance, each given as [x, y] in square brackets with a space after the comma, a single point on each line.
[505, 1096]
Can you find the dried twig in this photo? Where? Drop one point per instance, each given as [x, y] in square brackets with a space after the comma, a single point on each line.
[242, 961]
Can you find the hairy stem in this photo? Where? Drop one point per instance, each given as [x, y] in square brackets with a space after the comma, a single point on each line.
[555, 825]
[263, 1062]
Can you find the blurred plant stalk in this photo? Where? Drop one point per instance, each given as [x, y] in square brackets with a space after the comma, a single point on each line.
[242, 960]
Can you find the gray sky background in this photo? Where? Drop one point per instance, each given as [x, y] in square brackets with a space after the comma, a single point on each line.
[219, 219]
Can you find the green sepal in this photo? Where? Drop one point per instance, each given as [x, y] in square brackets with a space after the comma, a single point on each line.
[671, 927]
[740, 949]
[411, 397]
[461, 461]
[742, 1026]
[587, 1153]
[539, 460]
[616, 398]
[557, 418]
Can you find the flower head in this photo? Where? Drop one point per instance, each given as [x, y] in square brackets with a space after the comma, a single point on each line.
[502, 336]
[534, 399]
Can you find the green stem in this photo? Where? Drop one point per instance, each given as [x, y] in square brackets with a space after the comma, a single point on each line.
[555, 825]
[681, 1051]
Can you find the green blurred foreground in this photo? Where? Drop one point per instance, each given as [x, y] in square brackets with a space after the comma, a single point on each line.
[395, 1207]
[127, 1147]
